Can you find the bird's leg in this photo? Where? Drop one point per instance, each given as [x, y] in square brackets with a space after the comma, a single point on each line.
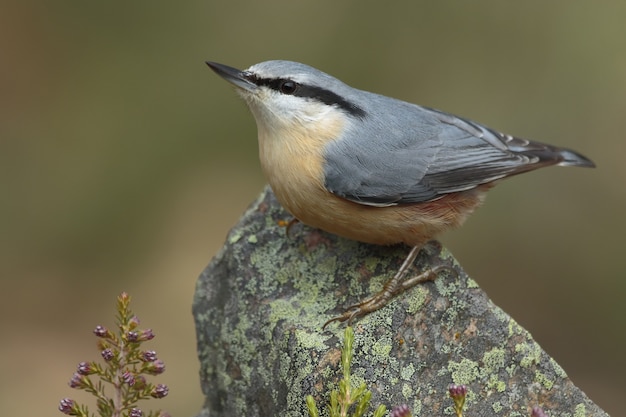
[392, 287]
[291, 223]
[288, 225]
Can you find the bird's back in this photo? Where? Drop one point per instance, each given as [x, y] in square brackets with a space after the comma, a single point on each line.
[404, 153]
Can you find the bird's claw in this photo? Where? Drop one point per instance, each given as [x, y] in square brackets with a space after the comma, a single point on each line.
[381, 299]
[358, 310]
[288, 225]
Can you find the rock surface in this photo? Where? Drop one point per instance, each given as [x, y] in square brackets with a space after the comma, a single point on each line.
[260, 305]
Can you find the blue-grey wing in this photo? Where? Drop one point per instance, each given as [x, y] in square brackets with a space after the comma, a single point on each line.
[382, 165]
[433, 155]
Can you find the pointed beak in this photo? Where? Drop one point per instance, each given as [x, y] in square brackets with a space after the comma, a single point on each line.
[233, 76]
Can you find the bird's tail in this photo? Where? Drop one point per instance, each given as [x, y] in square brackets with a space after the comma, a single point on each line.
[573, 159]
[545, 154]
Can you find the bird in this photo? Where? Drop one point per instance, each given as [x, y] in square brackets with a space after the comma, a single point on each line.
[372, 168]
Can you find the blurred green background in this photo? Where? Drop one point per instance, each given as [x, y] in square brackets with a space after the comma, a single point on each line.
[124, 161]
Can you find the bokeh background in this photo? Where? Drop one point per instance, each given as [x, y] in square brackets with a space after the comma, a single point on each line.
[124, 161]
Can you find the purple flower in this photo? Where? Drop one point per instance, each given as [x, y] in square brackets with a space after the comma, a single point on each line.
[147, 334]
[538, 412]
[85, 368]
[457, 391]
[66, 406]
[133, 322]
[401, 411]
[107, 354]
[148, 356]
[135, 412]
[140, 383]
[78, 381]
[128, 378]
[139, 336]
[160, 391]
[155, 368]
[101, 331]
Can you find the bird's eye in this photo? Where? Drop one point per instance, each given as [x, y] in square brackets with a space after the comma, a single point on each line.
[288, 87]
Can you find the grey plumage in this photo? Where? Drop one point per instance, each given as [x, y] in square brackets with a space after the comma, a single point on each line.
[393, 152]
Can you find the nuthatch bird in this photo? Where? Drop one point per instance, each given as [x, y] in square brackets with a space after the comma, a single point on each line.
[372, 168]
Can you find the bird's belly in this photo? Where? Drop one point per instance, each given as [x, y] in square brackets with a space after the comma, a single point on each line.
[412, 224]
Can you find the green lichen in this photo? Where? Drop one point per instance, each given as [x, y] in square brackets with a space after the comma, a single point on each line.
[376, 349]
[263, 260]
[543, 380]
[471, 283]
[531, 351]
[381, 318]
[416, 298]
[282, 276]
[580, 410]
[510, 370]
[450, 316]
[464, 372]
[376, 283]
[560, 372]
[497, 407]
[499, 314]
[407, 372]
[381, 349]
[371, 263]
[240, 404]
[493, 360]
[284, 366]
[282, 309]
[407, 391]
[252, 239]
[514, 327]
[417, 407]
[495, 383]
[235, 235]
[310, 340]
[446, 288]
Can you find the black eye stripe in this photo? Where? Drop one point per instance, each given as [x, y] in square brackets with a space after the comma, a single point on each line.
[309, 91]
[330, 98]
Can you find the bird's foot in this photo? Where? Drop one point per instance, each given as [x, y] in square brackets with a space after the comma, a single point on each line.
[288, 225]
[381, 299]
[393, 287]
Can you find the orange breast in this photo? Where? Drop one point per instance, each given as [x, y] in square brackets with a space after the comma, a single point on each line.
[412, 224]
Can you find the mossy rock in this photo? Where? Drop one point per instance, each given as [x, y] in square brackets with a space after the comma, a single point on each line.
[261, 303]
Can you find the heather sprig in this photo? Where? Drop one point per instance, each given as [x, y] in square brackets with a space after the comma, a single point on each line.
[119, 383]
[458, 393]
[347, 401]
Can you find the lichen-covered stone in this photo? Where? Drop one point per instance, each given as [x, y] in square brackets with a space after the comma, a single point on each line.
[260, 305]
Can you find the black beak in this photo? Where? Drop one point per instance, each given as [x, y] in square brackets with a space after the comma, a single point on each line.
[232, 75]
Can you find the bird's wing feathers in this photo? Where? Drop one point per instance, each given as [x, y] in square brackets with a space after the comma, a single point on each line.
[383, 168]
[435, 155]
